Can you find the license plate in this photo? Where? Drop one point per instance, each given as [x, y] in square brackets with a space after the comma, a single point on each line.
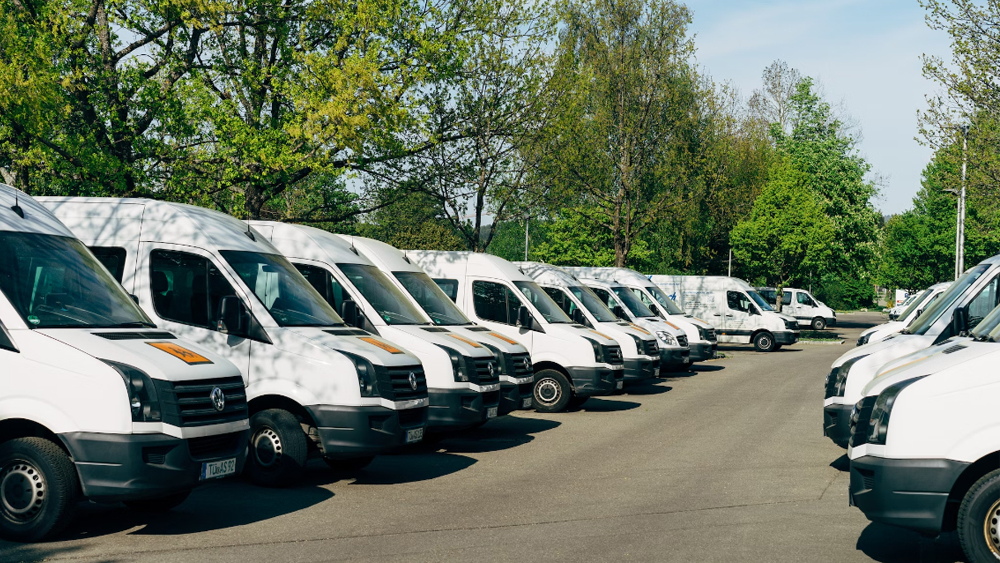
[619, 384]
[527, 403]
[491, 412]
[414, 435]
[216, 469]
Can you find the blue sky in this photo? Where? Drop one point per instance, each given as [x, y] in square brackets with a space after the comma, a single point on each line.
[865, 53]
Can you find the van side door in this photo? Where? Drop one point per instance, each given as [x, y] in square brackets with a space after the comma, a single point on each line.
[495, 306]
[738, 314]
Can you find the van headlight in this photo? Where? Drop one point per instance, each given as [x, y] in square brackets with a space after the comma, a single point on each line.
[142, 399]
[598, 351]
[878, 427]
[367, 376]
[459, 367]
[667, 338]
[840, 376]
[864, 339]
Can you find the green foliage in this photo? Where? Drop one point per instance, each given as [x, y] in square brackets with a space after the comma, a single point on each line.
[573, 240]
[787, 238]
[845, 292]
[413, 222]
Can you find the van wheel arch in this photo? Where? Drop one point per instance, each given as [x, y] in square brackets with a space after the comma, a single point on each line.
[265, 402]
[965, 481]
[14, 428]
[553, 366]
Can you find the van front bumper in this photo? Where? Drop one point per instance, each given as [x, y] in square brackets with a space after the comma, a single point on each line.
[837, 423]
[123, 467]
[588, 382]
[911, 493]
[641, 369]
[701, 351]
[458, 409]
[348, 432]
[785, 337]
[515, 397]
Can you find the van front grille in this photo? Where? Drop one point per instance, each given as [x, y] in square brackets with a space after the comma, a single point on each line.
[613, 355]
[861, 421]
[483, 370]
[394, 383]
[520, 365]
[682, 340]
[651, 348]
[191, 403]
[411, 418]
[214, 446]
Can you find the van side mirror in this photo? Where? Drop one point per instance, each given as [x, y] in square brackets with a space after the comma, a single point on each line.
[524, 318]
[960, 320]
[6, 342]
[349, 311]
[232, 316]
[655, 310]
[619, 312]
[754, 310]
[578, 317]
[919, 312]
[135, 298]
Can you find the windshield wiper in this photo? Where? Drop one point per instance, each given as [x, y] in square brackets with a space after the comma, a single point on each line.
[136, 324]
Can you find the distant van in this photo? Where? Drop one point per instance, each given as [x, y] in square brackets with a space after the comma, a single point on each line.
[799, 303]
[739, 313]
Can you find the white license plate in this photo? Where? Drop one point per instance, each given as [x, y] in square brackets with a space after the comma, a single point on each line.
[491, 412]
[619, 384]
[414, 435]
[527, 403]
[216, 469]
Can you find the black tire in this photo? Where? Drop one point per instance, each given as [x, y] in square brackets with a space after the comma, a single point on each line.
[162, 504]
[355, 464]
[38, 489]
[552, 391]
[819, 323]
[576, 402]
[278, 449]
[764, 342]
[978, 519]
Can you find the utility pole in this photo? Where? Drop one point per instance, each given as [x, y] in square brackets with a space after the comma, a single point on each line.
[730, 274]
[526, 219]
[960, 227]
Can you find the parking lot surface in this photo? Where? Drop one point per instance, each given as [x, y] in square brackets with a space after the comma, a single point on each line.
[726, 462]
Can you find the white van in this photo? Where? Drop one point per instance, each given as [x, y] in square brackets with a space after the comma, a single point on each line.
[701, 335]
[517, 378]
[639, 348]
[316, 387]
[626, 305]
[903, 300]
[94, 400]
[739, 313]
[462, 376]
[571, 361]
[960, 308]
[925, 442]
[914, 310]
[800, 304]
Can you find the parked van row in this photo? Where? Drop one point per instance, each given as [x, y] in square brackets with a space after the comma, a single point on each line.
[916, 412]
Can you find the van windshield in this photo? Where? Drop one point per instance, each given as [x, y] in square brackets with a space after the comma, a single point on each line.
[383, 295]
[55, 282]
[921, 324]
[632, 302]
[759, 300]
[915, 305]
[432, 299]
[668, 304]
[548, 308]
[284, 292]
[593, 304]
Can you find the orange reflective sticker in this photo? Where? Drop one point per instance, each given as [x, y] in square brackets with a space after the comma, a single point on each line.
[181, 353]
[640, 329]
[604, 335]
[505, 339]
[466, 340]
[382, 345]
[672, 325]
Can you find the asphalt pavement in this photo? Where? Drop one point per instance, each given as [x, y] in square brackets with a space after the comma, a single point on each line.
[726, 462]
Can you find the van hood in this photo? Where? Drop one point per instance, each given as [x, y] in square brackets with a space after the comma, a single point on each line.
[872, 348]
[487, 336]
[442, 336]
[656, 324]
[574, 330]
[316, 343]
[891, 326]
[158, 353]
[696, 321]
[943, 356]
[633, 329]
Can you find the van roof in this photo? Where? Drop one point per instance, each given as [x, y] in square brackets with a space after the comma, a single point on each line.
[106, 220]
[548, 274]
[623, 276]
[657, 279]
[440, 263]
[37, 218]
[385, 256]
[310, 243]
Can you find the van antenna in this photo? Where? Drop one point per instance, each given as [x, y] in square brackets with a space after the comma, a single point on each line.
[249, 233]
[16, 208]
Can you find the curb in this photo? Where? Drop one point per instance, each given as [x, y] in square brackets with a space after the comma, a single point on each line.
[822, 342]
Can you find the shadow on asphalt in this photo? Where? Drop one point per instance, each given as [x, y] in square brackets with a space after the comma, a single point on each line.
[890, 544]
[35, 552]
[497, 435]
[604, 405]
[842, 463]
[652, 387]
[418, 465]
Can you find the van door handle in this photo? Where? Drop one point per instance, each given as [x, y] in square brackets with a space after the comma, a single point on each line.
[728, 315]
[717, 314]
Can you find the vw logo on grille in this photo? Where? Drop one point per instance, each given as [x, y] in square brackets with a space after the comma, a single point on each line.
[413, 381]
[490, 366]
[527, 364]
[218, 399]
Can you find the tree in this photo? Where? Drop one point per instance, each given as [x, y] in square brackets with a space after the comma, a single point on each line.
[772, 103]
[417, 221]
[573, 240]
[787, 237]
[626, 117]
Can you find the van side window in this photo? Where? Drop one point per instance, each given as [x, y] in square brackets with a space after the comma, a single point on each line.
[983, 303]
[803, 299]
[187, 288]
[113, 258]
[605, 296]
[449, 287]
[495, 302]
[643, 297]
[738, 301]
[561, 299]
[786, 298]
[324, 282]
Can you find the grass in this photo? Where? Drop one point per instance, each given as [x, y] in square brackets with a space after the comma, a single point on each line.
[818, 335]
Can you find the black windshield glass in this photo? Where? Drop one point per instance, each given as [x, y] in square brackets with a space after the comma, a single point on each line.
[917, 303]
[548, 308]
[432, 299]
[632, 302]
[668, 304]
[55, 282]
[931, 314]
[759, 300]
[593, 304]
[287, 295]
[383, 295]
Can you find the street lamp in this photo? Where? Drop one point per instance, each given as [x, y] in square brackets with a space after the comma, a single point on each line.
[960, 227]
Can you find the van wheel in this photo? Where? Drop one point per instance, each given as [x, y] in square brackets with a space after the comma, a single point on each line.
[552, 391]
[162, 504]
[278, 448]
[355, 464]
[819, 323]
[978, 519]
[764, 342]
[38, 485]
